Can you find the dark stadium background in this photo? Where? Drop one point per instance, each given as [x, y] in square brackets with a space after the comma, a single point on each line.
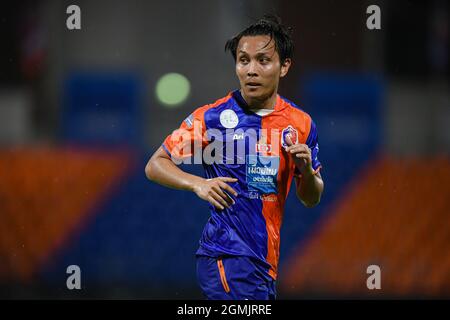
[79, 118]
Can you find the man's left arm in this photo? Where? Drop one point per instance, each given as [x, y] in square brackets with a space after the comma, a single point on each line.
[309, 189]
[309, 183]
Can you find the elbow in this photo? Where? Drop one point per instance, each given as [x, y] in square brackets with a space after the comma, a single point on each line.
[150, 171]
[156, 166]
[310, 204]
[311, 199]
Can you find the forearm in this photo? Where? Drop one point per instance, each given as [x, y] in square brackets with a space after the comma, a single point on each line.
[309, 189]
[165, 172]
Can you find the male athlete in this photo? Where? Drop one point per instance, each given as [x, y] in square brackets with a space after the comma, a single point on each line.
[260, 141]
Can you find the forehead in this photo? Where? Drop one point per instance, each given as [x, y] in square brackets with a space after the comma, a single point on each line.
[256, 44]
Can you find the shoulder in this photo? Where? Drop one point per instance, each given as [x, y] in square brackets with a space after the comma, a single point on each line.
[200, 112]
[297, 111]
[300, 117]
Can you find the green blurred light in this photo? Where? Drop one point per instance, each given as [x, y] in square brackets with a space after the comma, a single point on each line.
[172, 89]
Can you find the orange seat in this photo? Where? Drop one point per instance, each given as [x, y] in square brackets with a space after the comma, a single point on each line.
[394, 214]
[45, 195]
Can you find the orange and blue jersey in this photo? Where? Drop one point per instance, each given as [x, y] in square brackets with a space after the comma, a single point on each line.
[250, 227]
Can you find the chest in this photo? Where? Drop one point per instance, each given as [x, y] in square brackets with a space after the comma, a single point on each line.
[252, 147]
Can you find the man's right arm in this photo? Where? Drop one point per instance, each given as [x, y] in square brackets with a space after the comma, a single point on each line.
[161, 169]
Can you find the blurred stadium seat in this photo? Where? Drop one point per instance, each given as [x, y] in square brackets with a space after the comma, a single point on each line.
[394, 214]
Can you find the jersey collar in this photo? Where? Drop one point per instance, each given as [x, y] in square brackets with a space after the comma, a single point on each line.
[280, 104]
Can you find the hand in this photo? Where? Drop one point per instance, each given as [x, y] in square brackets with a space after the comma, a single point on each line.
[302, 156]
[215, 191]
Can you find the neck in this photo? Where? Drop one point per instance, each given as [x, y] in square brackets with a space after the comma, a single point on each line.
[267, 103]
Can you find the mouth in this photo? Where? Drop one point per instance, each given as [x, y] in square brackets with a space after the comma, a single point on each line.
[253, 84]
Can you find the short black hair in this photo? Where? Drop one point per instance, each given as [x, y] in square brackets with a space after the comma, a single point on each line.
[269, 25]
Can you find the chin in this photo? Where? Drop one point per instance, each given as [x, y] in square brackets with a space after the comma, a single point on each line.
[255, 94]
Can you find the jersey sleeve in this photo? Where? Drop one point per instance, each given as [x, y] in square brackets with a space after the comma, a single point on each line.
[313, 143]
[188, 138]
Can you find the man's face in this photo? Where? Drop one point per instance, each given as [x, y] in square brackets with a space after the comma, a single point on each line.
[258, 67]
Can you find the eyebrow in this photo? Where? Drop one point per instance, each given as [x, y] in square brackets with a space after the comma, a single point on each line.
[258, 54]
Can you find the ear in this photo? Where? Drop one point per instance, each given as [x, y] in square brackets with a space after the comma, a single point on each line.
[285, 67]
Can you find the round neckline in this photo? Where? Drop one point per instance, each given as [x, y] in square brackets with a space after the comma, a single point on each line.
[243, 104]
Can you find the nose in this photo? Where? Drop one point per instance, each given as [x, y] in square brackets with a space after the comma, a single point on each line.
[251, 71]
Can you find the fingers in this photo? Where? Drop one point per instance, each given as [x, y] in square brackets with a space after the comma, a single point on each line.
[305, 153]
[298, 148]
[300, 151]
[226, 187]
[289, 141]
[220, 199]
[219, 192]
[227, 179]
[224, 196]
[215, 203]
[303, 156]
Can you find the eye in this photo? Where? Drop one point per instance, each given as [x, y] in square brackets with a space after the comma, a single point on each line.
[243, 60]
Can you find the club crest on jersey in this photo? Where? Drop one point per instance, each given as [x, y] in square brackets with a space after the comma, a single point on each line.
[290, 132]
[229, 119]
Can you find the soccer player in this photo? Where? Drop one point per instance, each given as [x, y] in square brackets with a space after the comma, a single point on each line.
[276, 142]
